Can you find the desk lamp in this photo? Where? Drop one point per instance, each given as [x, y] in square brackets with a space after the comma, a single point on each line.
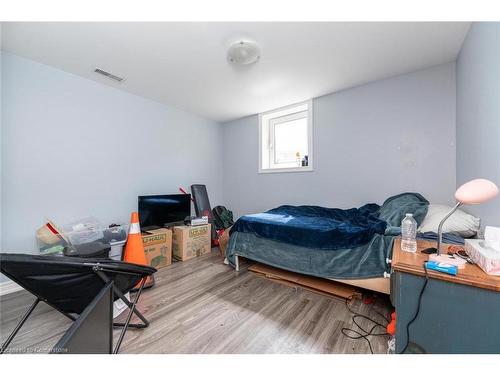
[472, 192]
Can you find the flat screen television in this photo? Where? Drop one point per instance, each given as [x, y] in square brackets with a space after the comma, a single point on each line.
[162, 210]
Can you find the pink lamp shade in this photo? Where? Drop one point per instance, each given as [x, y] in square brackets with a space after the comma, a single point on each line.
[476, 191]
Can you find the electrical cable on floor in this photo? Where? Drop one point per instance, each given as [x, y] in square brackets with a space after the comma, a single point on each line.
[417, 311]
[363, 333]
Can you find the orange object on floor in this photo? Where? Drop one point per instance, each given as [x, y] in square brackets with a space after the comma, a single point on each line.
[391, 327]
[134, 249]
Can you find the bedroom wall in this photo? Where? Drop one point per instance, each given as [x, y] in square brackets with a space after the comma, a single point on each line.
[1, 116]
[370, 142]
[478, 113]
[73, 148]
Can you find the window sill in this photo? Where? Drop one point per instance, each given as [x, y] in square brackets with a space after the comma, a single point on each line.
[286, 170]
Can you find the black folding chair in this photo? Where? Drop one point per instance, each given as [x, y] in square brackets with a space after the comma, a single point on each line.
[69, 285]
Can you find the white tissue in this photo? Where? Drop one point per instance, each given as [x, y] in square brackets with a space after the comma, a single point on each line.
[492, 238]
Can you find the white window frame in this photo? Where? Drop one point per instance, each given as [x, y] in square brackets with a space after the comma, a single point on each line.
[268, 120]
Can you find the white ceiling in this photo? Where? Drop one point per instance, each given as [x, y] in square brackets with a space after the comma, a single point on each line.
[184, 64]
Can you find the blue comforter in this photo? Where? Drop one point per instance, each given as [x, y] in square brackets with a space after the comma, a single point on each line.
[331, 228]
[274, 237]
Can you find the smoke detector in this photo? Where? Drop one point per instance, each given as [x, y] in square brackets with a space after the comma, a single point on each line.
[243, 53]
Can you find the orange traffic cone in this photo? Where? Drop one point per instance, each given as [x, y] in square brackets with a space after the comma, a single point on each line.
[134, 249]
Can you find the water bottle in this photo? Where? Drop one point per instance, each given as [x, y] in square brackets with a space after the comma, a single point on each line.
[409, 234]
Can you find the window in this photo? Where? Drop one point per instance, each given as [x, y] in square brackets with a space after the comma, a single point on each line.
[285, 139]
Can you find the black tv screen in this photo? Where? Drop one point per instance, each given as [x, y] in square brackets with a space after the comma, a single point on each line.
[159, 210]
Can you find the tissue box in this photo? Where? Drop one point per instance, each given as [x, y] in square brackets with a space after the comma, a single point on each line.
[484, 256]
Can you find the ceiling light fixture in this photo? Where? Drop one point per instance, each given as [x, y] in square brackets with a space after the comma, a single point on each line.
[243, 53]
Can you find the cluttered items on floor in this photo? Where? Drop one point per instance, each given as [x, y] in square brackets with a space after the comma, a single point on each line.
[194, 221]
[189, 242]
[86, 237]
[89, 238]
[223, 218]
[202, 206]
[375, 325]
[220, 217]
[75, 276]
[158, 247]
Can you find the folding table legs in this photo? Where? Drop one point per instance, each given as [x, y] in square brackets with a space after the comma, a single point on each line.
[19, 325]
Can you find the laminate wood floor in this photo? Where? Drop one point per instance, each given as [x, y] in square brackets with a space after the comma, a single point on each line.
[204, 306]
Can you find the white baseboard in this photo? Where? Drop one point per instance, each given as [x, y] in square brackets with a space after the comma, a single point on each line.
[8, 287]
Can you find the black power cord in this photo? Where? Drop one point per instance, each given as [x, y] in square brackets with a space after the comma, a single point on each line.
[418, 309]
[363, 333]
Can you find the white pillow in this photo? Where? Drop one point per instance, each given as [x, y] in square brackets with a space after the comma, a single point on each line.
[460, 223]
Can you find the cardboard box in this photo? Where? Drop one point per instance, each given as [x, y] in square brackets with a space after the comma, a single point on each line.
[191, 242]
[158, 247]
[314, 284]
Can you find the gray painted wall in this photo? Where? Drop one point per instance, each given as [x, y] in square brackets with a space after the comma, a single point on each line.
[59, 131]
[478, 113]
[1, 127]
[73, 147]
[370, 142]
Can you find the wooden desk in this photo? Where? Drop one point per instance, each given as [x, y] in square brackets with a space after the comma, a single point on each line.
[458, 314]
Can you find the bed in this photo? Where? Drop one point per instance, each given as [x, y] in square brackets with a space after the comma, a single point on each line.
[351, 246]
